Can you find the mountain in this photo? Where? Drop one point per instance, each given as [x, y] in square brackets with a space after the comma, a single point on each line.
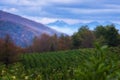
[58, 22]
[93, 24]
[22, 30]
[106, 23]
[63, 26]
[72, 28]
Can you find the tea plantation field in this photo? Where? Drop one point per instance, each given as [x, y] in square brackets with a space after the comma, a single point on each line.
[83, 64]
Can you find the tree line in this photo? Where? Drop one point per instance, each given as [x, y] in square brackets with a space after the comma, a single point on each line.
[83, 38]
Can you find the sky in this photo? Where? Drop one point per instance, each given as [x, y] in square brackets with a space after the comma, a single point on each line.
[70, 11]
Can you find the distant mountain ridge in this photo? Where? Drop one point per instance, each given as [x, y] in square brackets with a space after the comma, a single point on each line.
[22, 30]
[59, 25]
[58, 22]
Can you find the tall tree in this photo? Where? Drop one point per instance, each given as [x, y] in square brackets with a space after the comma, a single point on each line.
[112, 35]
[9, 53]
[64, 42]
[100, 32]
[107, 35]
[76, 41]
[45, 43]
[83, 38]
[54, 43]
[41, 43]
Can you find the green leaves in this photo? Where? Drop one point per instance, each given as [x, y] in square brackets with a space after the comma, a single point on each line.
[107, 35]
[85, 64]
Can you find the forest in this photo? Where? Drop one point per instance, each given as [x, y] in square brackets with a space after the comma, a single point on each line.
[84, 38]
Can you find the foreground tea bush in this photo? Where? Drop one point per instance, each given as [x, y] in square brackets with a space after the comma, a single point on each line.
[85, 64]
[18, 72]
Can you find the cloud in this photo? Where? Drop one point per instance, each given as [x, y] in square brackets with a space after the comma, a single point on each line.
[113, 6]
[93, 11]
[66, 30]
[68, 10]
[36, 2]
[46, 20]
[12, 10]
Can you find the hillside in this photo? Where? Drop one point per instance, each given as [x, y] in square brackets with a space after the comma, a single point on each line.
[22, 30]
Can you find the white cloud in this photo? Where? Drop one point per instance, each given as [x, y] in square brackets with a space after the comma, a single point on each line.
[67, 20]
[92, 11]
[66, 30]
[37, 2]
[32, 2]
[46, 20]
[65, 1]
[50, 2]
[11, 10]
[112, 6]
[24, 2]
[73, 21]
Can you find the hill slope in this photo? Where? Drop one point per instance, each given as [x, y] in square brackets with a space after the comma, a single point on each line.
[22, 30]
